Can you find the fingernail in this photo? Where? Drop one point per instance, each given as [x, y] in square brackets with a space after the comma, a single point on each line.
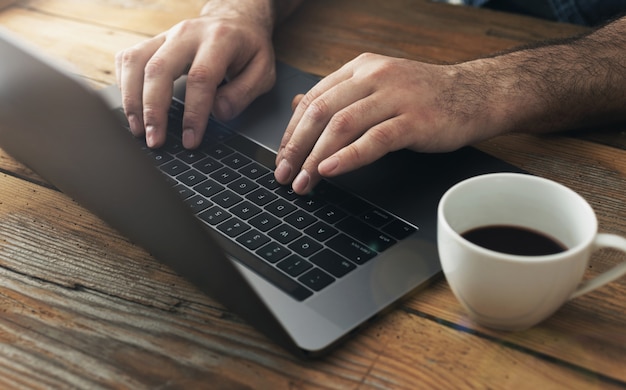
[327, 166]
[283, 172]
[189, 138]
[150, 141]
[301, 182]
[134, 125]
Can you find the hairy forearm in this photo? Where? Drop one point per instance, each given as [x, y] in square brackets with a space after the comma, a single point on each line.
[267, 12]
[564, 85]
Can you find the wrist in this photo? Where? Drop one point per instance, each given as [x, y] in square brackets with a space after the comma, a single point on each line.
[259, 12]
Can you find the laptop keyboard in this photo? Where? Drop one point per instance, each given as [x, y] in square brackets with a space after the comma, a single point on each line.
[302, 244]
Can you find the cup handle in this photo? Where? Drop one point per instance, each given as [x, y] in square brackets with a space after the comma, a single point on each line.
[604, 240]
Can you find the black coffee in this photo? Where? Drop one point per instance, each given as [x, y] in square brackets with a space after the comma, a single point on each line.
[514, 240]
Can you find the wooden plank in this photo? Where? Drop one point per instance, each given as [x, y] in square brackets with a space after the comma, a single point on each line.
[147, 18]
[51, 35]
[422, 30]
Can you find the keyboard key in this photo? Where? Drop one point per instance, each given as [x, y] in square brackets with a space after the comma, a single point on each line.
[208, 165]
[254, 171]
[280, 208]
[225, 175]
[173, 145]
[209, 188]
[190, 156]
[330, 192]
[376, 217]
[217, 132]
[305, 246]
[331, 214]
[273, 252]
[264, 222]
[321, 231]
[268, 181]
[236, 160]
[351, 249]
[399, 229]
[300, 219]
[198, 203]
[191, 177]
[286, 193]
[245, 210]
[284, 234]
[373, 238]
[174, 167]
[233, 227]
[261, 196]
[160, 156]
[355, 206]
[294, 265]
[226, 199]
[218, 151]
[243, 185]
[310, 203]
[252, 239]
[316, 279]
[214, 215]
[333, 263]
[183, 191]
[253, 150]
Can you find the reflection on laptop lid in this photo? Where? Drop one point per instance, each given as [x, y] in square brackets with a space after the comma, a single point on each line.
[306, 271]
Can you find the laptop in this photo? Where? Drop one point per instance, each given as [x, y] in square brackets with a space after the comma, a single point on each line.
[307, 271]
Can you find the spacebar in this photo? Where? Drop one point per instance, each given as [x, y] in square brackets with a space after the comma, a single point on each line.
[276, 278]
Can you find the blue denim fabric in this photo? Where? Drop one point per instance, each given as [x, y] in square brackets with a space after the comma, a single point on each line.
[585, 12]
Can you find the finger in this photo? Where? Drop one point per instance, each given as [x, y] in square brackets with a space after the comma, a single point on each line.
[168, 63]
[202, 82]
[303, 105]
[256, 78]
[387, 136]
[346, 126]
[296, 100]
[130, 65]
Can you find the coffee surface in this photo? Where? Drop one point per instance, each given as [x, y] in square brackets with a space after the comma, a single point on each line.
[514, 240]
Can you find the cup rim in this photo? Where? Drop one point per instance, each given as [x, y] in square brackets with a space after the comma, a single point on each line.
[580, 246]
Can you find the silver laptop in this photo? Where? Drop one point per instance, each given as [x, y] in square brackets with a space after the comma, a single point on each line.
[306, 271]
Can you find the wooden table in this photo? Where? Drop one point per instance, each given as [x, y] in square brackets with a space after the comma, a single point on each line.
[82, 307]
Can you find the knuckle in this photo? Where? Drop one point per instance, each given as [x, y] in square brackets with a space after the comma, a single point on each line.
[199, 75]
[352, 153]
[384, 136]
[342, 122]
[129, 103]
[317, 110]
[291, 150]
[154, 114]
[187, 27]
[154, 68]
[128, 56]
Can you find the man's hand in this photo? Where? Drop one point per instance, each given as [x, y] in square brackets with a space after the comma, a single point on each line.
[374, 105]
[229, 43]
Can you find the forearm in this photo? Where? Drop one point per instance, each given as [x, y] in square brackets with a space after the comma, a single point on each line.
[566, 85]
[268, 12]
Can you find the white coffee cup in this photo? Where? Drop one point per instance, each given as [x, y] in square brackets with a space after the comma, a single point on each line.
[515, 292]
